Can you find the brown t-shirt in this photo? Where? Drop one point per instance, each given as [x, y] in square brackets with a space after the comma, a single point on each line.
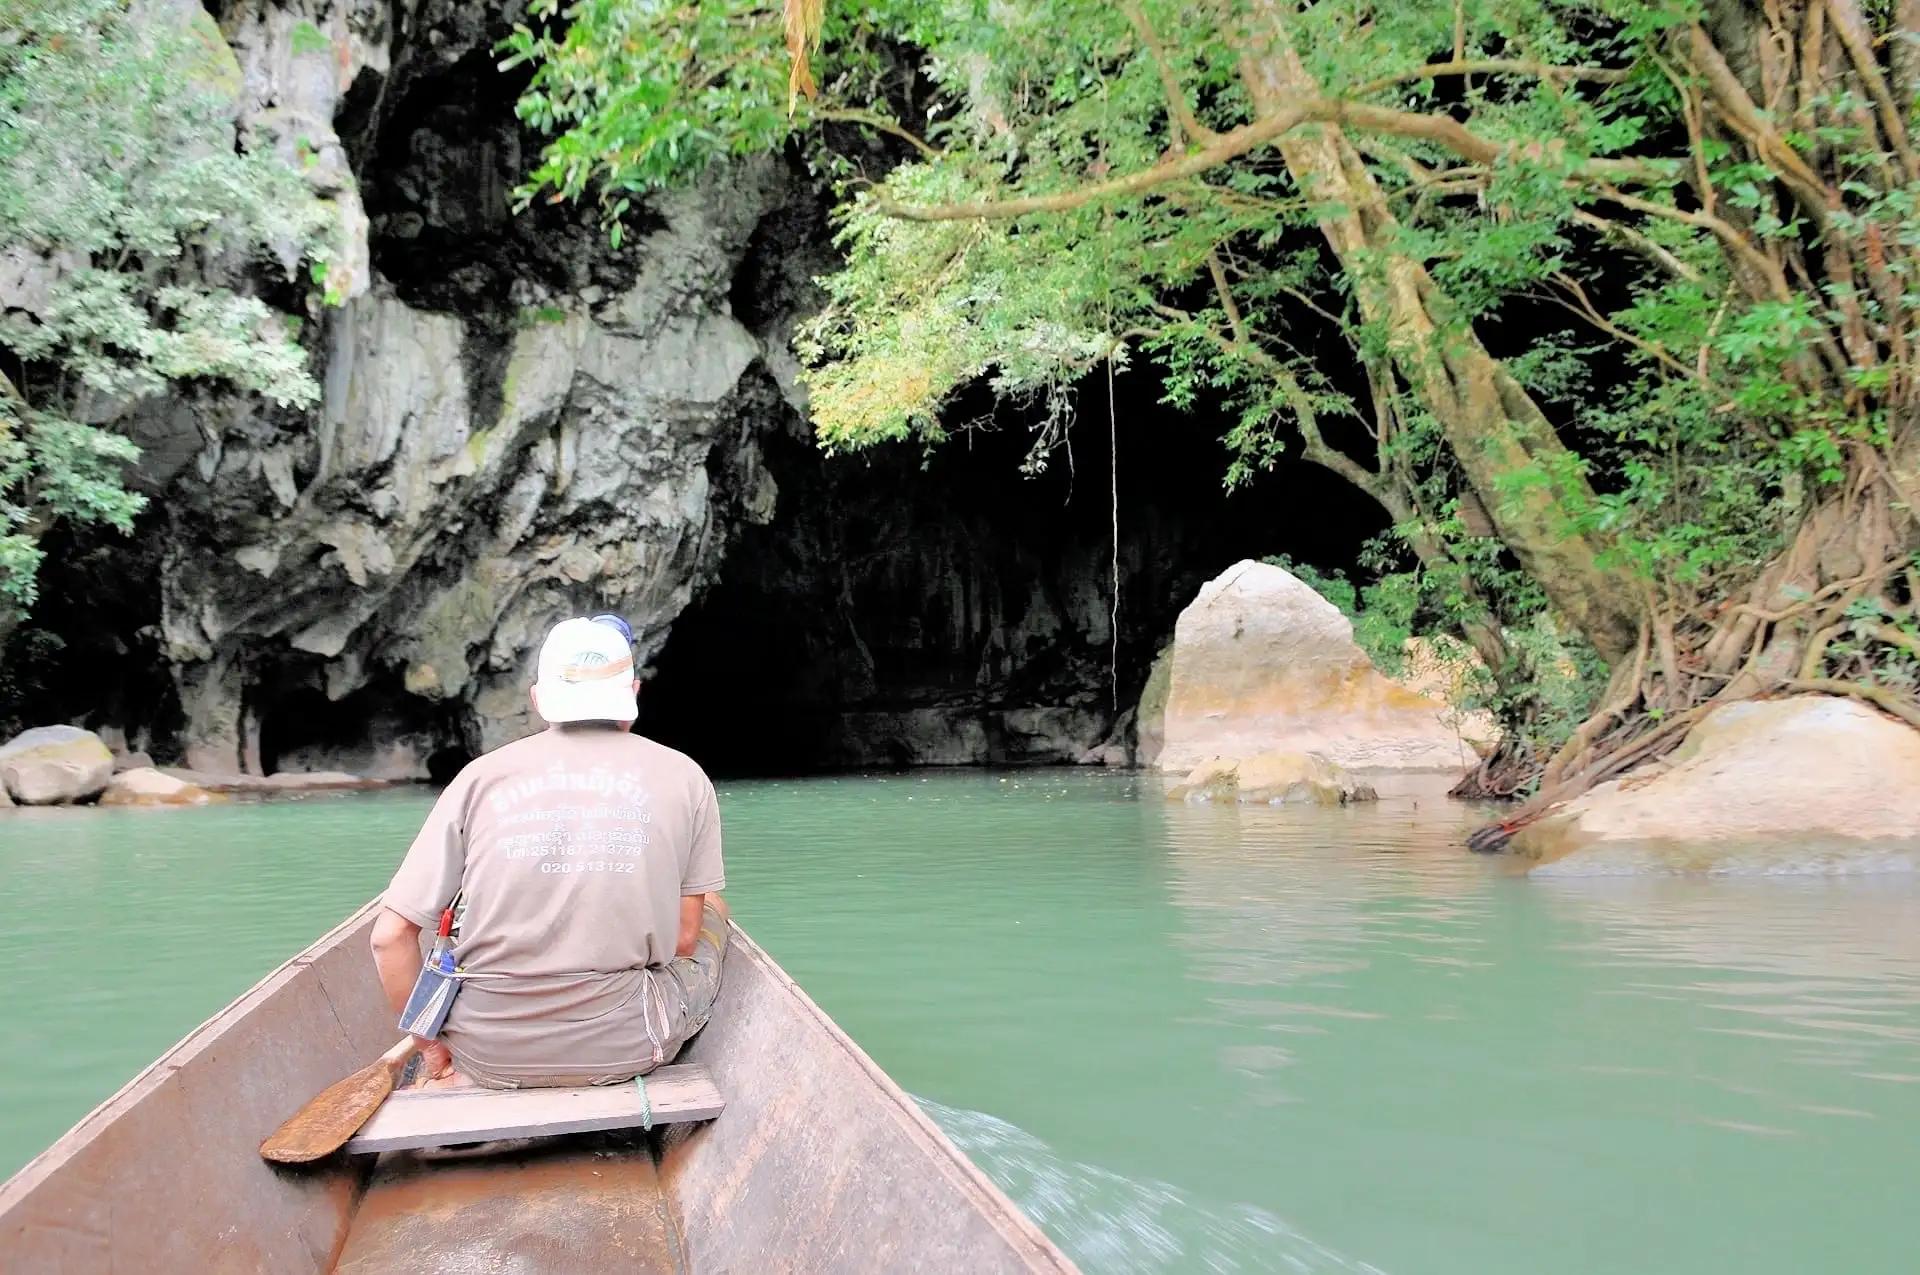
[573, 847]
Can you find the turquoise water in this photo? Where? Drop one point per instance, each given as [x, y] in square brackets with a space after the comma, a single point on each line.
[1183, 1038]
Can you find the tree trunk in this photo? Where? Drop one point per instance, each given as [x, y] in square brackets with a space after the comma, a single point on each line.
[1531, 485]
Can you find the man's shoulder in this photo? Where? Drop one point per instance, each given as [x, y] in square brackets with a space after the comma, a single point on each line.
[521, 752]
[665, 761]
[541, 750]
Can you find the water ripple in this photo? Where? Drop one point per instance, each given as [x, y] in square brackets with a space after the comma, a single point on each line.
[1119, 1226]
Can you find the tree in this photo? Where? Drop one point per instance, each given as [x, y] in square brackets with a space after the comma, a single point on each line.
[1720, 195]
[124, 204]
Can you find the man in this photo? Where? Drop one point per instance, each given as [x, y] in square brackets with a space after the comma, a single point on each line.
[586, 864]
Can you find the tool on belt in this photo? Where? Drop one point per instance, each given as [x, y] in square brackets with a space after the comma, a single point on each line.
[434, 990]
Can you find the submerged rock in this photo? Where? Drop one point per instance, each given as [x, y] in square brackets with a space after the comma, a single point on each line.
[1273, 779]
[1262, 664]
[54, 765]
[1810, 784]
[145, 786]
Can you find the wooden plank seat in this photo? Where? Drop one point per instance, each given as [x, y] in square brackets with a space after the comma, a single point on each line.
[444, 1117]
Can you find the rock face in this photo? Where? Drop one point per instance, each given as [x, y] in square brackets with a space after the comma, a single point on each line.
[1809, 784]
[520, 422]
[55, 765]
[145, 786]
[1263, 664]
[1273, 779]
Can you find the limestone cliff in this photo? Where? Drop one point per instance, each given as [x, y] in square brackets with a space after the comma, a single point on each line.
[520, 422]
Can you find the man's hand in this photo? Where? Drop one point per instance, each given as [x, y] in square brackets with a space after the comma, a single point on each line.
[692, 908]
[436, 1063]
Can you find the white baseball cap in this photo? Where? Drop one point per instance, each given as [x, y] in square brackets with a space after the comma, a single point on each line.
[586, 674]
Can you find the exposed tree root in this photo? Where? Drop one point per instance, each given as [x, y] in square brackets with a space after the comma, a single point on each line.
[1798, 630]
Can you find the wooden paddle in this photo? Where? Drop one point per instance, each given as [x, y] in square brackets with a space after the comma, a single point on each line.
[335, 1114]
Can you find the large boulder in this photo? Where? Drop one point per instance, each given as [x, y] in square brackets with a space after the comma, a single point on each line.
[145, 786]
[1150, 733]
[55, 765]
[1448, 671]
[1810, 784]
[1263, 664]
[1272, 779]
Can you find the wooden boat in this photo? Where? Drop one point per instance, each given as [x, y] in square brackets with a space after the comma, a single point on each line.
[818, 1163]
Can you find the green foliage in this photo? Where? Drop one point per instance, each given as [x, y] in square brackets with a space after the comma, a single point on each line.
[52, 467]
[1568, 176]
[122, 194]
[307, 38]
[535, 315]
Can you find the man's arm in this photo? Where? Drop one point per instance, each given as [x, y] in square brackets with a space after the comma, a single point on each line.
[396, 954]
[690, 908]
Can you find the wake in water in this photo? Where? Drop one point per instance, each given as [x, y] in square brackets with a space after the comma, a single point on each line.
[1112, 1225]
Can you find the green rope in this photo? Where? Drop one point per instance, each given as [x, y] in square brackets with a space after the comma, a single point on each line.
[646, 1104]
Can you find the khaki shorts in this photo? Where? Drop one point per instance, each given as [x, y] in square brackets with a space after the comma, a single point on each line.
[683, 989]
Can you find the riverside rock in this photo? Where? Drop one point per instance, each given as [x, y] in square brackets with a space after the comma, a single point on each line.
[1808, 784]
[55, 765]
[1262, 664]
[1273, 779]
[145, 786]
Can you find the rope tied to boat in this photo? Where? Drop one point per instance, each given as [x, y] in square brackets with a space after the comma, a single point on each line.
[646, 1104]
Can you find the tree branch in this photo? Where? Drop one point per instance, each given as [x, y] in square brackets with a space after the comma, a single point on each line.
[1177, 107]
[1491, 66]
[1315, 446]
[1742, 115]
[1729, 235]
[879, 123]
[1906, 710]
[1234, 319]
[1851, 26]
[1230, 145]
[1638, 242]
[1897, 637]
[1237, 142]
[1588, 311]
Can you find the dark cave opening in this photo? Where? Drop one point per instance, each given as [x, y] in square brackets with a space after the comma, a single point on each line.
[377, 732]
[445, 763]
[911, 608]
[92, 652]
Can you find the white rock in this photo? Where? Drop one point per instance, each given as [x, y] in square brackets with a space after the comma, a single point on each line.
[1810, 784]
[1263, 664]
[145, 786]
[1447, 671]
[1272, 779]
[292, 780]
[55, 765]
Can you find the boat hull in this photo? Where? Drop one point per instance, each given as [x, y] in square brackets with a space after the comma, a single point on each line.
[820, 1162]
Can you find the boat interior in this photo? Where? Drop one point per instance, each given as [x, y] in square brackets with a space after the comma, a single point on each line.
[818, 1162]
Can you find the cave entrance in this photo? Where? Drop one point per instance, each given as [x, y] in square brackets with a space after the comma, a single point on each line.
[906, 609]
[377, 732]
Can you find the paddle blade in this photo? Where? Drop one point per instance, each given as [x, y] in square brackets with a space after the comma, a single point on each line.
[335, 1114]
